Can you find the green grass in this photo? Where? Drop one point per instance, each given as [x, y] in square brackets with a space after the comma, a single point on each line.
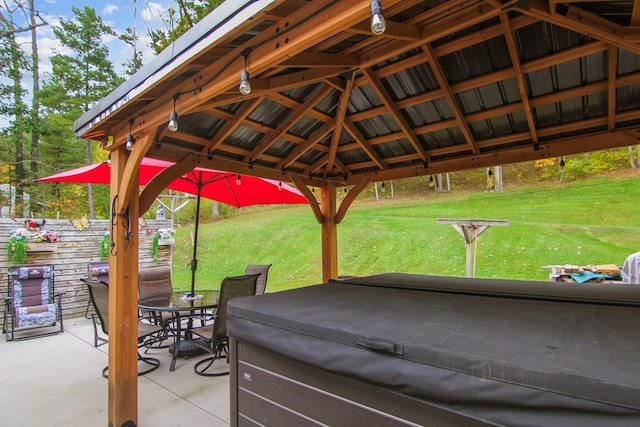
[595, 221]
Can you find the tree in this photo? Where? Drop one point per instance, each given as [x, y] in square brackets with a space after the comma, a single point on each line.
[131, 38]
[77, 82]
[179, 21]
[13, 65]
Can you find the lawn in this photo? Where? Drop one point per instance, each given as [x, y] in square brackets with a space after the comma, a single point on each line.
[595, 221]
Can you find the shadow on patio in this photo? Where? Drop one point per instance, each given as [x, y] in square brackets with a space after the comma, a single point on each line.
[56, 381]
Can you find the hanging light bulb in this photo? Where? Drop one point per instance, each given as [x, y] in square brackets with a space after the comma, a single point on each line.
[173, 117]
[280, 186]
[109, 159]
[562, 162]
[238, 181]
[382, 186]
[130, 140]
[378, 23]
[173, 121]
[245, 86]
[431, 181]
[489, 171]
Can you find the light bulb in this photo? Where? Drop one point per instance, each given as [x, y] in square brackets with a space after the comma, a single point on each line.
[245, 86]
[238, 181]
[130, 142]
[378, 23]
[173, 121]
[280, 186]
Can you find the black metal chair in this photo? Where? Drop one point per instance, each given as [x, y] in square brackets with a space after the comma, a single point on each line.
[97, 270]
[214, 337]
[154, 281]
[147, 333]
[263, 270]
[32, 302]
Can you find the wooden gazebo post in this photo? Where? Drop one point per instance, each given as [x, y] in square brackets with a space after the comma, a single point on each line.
[123, 292]
[329, 233]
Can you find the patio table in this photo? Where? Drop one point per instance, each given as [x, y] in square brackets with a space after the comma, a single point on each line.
[181, 306]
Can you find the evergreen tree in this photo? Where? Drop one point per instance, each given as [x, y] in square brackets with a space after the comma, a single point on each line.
[13, 64]
[76, 83]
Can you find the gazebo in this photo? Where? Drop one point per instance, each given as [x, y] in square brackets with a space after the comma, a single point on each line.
[338, 94]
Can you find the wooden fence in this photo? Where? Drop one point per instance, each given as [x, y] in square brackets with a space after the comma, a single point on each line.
[71, 255]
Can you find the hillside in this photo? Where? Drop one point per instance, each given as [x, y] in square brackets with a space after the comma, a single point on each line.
[590, 221]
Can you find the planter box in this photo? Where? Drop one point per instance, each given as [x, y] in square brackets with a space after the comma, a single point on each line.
[41, 247]
[166, 242]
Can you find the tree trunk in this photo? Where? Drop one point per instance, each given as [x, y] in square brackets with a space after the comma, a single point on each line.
[35, 103]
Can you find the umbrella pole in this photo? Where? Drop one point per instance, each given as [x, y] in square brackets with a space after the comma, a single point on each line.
[194, 259]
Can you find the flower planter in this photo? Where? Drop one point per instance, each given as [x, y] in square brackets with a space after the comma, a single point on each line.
[41, 247]
[166, 242]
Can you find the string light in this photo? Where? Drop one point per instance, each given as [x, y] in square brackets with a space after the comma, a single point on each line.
[280, 186]
[245, 86]
[173, 117]
[130, 140]
[562, 162]
[238, 181]
[378, 23]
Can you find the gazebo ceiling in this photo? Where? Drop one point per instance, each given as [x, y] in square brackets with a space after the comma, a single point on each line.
[450, 85]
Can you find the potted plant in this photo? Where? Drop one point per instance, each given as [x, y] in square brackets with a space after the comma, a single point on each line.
[17, 246]
[105, 244]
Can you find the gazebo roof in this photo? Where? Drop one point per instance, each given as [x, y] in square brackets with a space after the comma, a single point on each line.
[450, 85]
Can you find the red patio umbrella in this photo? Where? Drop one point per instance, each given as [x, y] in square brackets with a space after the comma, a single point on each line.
[226, 187]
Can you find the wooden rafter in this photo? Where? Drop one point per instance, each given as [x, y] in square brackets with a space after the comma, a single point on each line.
[296, 114]
[337, 130]
[448, 94]
[612, 75]
[402, 123]
[519, 76]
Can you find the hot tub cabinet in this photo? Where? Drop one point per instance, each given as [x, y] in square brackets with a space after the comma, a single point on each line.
[400, 349]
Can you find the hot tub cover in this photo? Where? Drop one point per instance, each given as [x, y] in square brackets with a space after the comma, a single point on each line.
[505, 352]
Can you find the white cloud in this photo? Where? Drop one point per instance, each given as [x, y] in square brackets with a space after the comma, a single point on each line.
[110, 9]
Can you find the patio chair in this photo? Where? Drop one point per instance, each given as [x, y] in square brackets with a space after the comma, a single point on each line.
[147, 333]
[214, 337]
[32, 302]
[97, 270]
[263, 270]
[154, 281]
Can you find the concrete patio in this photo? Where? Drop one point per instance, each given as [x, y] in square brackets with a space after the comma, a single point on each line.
[57, 381]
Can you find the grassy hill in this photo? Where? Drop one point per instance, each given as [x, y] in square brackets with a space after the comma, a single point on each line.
[593, 221]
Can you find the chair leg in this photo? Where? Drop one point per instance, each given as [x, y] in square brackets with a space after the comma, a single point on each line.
[203, 366]
[151, 361]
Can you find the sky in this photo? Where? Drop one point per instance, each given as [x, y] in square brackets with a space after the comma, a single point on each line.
[118, 14]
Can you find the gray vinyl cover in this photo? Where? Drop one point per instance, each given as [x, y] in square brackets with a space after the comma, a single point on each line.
[504, 352]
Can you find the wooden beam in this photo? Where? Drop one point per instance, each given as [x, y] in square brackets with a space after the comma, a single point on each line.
[444, 85]
[313, 202]
[360, 186]
[128, 183]
[341, 111]
[123, 298]
[519, 75]
[296, 114]
[329, 232]
[402, 123]
[164, 178]
[231, 125]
